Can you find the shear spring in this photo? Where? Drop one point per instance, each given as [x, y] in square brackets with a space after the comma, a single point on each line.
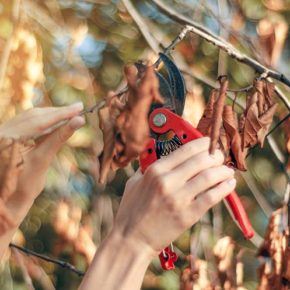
[164, 148]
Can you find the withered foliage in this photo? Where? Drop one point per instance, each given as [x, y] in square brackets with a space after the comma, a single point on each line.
[11, 161]
[124, 122]
[237, 134]
[275, 252]
[218, 113]
[227, 275]
[259, 113]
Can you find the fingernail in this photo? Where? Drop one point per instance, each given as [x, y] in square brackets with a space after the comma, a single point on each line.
[77, 123]
[77, 106]
[232, 182]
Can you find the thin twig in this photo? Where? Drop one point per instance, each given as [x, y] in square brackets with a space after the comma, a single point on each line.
[209, 36]
[58, 262]
[141, 25]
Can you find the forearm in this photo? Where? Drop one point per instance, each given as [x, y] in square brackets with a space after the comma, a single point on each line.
[119, 263]
[18, 210]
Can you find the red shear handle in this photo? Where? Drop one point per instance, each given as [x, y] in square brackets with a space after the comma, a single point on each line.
[240, 214]
[186, 132]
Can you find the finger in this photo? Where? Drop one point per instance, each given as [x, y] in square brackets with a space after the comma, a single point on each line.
[49, 117]
[192, 166]
[205, 180]
[212, 196]
[50, 145]
[181, 154]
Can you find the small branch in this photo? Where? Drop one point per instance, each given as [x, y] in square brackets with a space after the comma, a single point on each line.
[141, 25]
[278, 124]
[261, 200]
[60, 263]
[209, 36]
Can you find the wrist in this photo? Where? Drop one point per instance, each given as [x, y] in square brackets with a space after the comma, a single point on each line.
[141, 251]
[119, 263]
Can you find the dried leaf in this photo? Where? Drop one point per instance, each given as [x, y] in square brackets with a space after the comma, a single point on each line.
[230, 124]
[205, 122]
[217, 114]
[107, 126]
[274, 272]
[259, 114]
[125, 122]
[132, 124]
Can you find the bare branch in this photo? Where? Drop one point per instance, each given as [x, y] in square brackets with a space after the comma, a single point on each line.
[60, 263]
[209, 36]
[142, 26]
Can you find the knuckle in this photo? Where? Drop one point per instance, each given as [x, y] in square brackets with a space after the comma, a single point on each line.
[209, 199]
[161, 185]
[207, 175]
[153, 171]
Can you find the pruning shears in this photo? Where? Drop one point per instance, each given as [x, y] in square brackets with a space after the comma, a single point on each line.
[165, 119]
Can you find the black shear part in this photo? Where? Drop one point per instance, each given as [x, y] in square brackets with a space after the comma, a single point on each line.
[176, 83]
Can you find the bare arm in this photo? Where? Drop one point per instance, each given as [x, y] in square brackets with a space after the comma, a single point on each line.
[156, 208]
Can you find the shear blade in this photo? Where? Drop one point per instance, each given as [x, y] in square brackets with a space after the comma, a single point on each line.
[176, 83]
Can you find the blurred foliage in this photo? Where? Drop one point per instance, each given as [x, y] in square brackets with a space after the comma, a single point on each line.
[63, 51]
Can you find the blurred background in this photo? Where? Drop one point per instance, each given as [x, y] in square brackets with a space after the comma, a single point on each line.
[57, 52]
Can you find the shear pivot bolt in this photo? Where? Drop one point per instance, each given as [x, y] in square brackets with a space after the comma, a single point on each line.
[159, 120]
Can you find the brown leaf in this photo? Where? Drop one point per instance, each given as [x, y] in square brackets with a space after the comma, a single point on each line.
[217, 114]
[230, 124]
[125, 122]
[274, 272]
[259, 114]
[108, 128]
[205, 122]
[132, 124]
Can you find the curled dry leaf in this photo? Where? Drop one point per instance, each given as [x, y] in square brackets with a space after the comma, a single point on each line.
[108, 128]
[275, 271]
[125, 122]
[205, 122]
[259, 114]
[217, 113]
[132, 124]
[230, 123]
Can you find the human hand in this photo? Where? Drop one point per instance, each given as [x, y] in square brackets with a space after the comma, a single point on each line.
[55, 125]
[172, 195]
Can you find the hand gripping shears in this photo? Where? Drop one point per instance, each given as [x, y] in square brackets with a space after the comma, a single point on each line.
[167, 118]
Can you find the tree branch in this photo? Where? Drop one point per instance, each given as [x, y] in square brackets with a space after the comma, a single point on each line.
[60, 263]
[198, 29]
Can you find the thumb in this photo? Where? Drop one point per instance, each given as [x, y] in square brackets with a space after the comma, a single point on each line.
[54, 141]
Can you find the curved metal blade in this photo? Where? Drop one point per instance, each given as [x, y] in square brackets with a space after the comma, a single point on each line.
[177, 84]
